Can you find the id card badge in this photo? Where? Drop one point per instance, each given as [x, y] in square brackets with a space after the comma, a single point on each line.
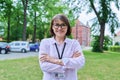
[59, 75]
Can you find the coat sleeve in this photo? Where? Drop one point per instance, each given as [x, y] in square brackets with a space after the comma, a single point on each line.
[47, 66]
[75, 63]
[50, 67]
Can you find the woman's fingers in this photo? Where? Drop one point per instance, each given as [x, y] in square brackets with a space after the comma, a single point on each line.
[76, 54]
[43, 57]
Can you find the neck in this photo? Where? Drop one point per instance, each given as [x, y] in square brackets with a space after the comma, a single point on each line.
[60, 40]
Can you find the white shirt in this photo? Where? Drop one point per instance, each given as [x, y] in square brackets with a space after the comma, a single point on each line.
[71, 65]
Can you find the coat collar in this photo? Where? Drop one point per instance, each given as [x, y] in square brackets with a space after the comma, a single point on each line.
[54, 41]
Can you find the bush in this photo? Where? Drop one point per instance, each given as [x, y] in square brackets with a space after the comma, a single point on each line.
[114, 48]
[95, 44]
[107, 42]
[117, 43]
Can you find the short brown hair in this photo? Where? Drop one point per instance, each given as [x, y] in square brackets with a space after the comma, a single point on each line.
[62, 18]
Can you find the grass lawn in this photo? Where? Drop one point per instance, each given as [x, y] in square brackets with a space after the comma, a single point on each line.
[99, 66]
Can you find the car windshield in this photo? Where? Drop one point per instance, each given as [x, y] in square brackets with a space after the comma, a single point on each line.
[31, 44]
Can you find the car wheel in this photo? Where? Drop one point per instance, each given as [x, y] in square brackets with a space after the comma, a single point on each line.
[36, 50]
[3, 51]
[23, 51]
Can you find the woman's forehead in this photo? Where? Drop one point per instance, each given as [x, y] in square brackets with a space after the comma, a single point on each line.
[58, 21]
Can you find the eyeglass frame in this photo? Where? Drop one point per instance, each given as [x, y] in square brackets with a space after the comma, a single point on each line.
[62, 26]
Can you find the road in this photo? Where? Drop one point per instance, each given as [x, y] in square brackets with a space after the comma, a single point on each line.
[16, 55]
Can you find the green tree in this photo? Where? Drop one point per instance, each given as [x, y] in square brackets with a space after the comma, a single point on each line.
[31, 17]
[17, 22]
[45, 11]
[33, 8]
[25, 5]
[104, 15]
[6, 10]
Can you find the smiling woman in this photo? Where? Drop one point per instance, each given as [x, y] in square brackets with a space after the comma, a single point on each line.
[60, 57]
[61, 24]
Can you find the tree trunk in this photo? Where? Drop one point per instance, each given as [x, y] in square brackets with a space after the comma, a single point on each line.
[8, 31]
[102, 30]
[25, 20]
[17, 37]
[34, 33]
[24, 25]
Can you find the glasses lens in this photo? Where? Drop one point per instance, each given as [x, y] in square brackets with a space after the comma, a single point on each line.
[60, 25]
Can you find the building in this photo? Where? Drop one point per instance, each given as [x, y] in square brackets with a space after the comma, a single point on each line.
[117, 37]
[81, 32]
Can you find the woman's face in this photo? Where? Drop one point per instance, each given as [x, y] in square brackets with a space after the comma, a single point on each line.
[59, 28]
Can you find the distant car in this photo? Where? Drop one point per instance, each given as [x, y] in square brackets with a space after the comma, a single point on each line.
[19, 46]
[34, 47]
[4, 48]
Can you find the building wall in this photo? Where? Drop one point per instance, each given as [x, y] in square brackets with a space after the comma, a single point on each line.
[117, 37]
[81, 33]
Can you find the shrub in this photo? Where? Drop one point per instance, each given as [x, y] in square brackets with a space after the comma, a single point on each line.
[114, 48]
[107, 42]
[95, 44]
[117, 43]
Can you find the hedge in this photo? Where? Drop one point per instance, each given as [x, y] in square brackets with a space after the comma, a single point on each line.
[114, 48]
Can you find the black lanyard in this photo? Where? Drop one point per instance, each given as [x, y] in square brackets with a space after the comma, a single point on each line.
[60, 57]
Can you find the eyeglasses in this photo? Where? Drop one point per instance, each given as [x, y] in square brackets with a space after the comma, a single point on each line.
[63, 26]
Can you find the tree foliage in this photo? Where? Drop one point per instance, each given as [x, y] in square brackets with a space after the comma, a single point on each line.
[6, 12]
[104, 15]
[29, 19]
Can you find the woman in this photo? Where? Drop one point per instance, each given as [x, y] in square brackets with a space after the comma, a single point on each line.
[60, 57]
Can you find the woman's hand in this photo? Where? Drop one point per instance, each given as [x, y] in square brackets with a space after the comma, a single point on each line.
[76, 54]
[45, 58]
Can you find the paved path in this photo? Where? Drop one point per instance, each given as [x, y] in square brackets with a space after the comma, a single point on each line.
[14, 55]
[86, 48]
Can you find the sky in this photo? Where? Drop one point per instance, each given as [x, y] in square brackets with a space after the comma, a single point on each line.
[86, 17]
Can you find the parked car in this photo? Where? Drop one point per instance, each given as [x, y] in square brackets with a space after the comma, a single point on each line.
[4, 48]
[19, 46]
[34, 47]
